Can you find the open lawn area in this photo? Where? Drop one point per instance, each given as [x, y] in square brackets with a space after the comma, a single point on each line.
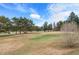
[35, 43]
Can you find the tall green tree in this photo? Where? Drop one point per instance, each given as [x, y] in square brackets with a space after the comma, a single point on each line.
[23, 24]
[45, 26]
[15, 24]
[58, 25]
[50, 27]
[72, 17]
[30, 25]
[6, 24]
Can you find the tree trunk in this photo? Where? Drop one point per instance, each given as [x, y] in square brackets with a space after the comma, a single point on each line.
[8, 32]
[16, 32]
[20, 31]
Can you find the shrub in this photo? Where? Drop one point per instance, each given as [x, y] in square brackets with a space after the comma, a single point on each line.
[71, 40]
[2, 30]
[71, 35]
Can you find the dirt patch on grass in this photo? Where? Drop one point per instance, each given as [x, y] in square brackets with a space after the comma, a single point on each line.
[51, 49]
[10, 45]
[22, 44]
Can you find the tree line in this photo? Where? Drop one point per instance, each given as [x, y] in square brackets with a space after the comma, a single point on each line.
[23, 24]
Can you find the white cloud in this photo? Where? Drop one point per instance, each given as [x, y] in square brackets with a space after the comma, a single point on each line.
[60, 12]
[35, 16]
[62, 7]
[20, 8]
[59, 16]
[55, 8]
[55, 12]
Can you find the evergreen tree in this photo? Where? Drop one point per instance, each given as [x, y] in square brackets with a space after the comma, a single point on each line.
[45, 26]
[58, 25]
[50, 27]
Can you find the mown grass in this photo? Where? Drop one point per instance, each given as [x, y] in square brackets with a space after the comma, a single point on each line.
[46, 37]
[33, 42]
[5, 35]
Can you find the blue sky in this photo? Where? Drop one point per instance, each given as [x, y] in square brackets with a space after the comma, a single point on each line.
[39, 12]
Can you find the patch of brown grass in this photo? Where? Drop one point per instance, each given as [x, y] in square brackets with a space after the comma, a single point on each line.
[9, 46]
[50, 48]
[22, 44]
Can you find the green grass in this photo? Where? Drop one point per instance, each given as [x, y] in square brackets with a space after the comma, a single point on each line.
[46, 37]
[35, 41]
[5, 35]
